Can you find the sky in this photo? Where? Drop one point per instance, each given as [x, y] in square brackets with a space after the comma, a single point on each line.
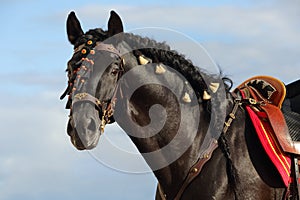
[37, 160]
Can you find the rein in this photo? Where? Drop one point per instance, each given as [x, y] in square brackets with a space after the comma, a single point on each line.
[195, 170]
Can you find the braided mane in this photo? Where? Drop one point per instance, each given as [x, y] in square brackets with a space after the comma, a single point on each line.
[161, 52]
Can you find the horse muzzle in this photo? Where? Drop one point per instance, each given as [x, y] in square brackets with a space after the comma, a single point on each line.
[84, 132]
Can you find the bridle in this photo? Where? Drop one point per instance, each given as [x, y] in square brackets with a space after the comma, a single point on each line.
[87, 63]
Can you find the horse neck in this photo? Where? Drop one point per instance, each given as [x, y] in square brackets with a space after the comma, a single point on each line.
[169, 170]
[152, 117]
[170, 167]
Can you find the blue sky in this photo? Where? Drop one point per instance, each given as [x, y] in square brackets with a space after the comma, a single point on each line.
[37, 161]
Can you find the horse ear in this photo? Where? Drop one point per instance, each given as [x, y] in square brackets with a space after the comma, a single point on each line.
[74, 29]
[115, 24]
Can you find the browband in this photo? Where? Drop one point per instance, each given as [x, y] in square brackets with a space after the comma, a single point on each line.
[107, 47]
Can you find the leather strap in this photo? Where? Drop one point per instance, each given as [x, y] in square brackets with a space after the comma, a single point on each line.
[79, 97]
[205, 156]
[278, 124]
[196, 168]
[107, 47]
[193, 172]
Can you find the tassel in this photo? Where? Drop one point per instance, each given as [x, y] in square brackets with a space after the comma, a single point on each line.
[206, 96]
[160, 69]
[214, 87]
[186, 98]
[143, 60]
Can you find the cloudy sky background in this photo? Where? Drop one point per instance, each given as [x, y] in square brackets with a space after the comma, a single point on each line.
[37, 161]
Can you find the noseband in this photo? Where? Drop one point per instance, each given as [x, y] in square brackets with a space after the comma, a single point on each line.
[107, 107]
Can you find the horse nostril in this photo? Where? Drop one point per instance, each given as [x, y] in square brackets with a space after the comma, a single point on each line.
[92, 125]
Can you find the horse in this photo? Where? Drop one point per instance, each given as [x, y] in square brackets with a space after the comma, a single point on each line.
[175, 118]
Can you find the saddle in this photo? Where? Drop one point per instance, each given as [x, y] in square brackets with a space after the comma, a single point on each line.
[269, 93]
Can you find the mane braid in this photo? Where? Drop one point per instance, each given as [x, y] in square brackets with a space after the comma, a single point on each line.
[233, 178]
[161, 52]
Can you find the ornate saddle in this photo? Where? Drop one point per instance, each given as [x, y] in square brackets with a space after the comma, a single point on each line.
[269, 93]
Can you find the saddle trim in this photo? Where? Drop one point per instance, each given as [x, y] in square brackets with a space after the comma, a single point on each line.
[272, 107]
[274, 82]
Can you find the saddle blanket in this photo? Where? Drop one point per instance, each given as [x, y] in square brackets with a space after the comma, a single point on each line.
[270, 144]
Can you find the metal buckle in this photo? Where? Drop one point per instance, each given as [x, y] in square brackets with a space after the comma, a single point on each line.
[252, 101]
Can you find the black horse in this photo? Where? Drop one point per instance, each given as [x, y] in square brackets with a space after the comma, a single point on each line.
[167, 106]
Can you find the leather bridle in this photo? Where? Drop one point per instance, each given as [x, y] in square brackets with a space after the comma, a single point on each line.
[104, 107]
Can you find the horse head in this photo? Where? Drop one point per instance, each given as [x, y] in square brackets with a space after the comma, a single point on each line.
[93, 73]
